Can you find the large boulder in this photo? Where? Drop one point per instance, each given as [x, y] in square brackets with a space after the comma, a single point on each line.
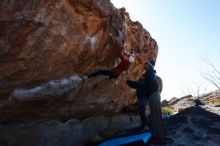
[46, 45]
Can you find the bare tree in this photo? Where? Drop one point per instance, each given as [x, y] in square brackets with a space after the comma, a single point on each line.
[212, 76]
[195, 90]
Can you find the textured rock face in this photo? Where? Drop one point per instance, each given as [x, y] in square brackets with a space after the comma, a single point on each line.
[194, 126]
[42, 42]
[69, 133]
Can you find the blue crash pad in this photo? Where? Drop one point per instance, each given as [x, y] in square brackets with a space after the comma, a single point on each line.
[127, 139]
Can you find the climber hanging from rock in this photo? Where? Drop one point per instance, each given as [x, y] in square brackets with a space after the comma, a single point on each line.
[126, 59]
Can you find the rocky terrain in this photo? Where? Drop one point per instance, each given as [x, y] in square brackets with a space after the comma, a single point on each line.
[194, 126]
[47, 48]
[209, 101]
[196, 120]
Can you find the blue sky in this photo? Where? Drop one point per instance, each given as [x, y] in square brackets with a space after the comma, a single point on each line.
[186, 31]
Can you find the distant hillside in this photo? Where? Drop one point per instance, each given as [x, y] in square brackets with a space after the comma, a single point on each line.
[209, 100]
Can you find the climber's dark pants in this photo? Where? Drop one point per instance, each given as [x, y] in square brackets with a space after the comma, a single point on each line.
[103, 72]
[142, 102]
[157, 124]
[155, 120]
